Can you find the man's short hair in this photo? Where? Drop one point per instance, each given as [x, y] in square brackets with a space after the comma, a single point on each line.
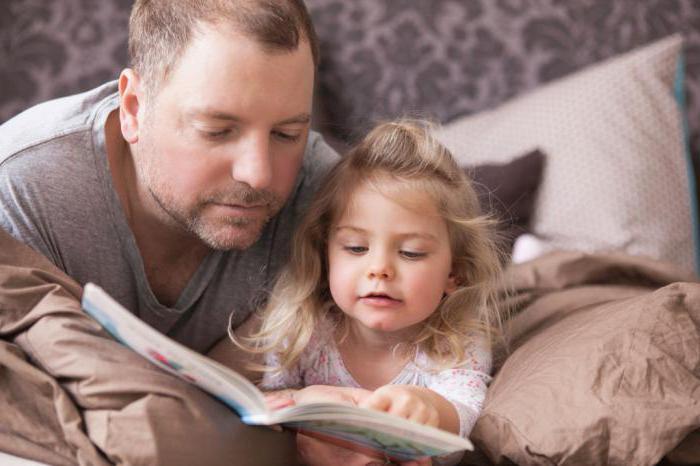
[161, 30]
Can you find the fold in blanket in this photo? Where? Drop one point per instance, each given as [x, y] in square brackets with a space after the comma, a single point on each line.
[72, 395]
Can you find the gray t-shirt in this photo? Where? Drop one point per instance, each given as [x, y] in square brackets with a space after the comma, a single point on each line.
[57, 196]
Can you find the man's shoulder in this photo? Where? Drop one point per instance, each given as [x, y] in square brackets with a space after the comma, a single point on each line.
[50, 172]
[318, 160]
[57, 121]
[319, 155]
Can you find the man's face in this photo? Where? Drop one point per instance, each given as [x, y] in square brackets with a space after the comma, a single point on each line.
[220, 144]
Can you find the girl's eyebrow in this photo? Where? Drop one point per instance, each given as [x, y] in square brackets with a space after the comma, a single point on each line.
[402, 236]
[351, 228]
[425, 236]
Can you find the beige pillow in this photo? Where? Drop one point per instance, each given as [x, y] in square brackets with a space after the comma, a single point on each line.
[616, 176]
[598, 374]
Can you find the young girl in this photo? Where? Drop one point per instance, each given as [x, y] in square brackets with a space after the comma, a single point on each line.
[390, 288]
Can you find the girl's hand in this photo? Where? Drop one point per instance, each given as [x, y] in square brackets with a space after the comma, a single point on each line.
[279, 399]
[406, 401]
[418, 404]
[331, 394]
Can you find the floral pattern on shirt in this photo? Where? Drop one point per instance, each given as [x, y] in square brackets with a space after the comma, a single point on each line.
[321, 364]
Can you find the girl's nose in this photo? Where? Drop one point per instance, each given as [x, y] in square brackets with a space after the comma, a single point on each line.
[381, 272]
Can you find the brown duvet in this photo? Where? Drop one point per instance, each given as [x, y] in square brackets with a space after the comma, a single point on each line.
[604, 368]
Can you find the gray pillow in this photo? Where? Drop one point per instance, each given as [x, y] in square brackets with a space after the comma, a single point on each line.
[508, 191]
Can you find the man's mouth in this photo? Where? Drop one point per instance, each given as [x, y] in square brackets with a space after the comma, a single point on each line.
[240, 205]
[241, 209]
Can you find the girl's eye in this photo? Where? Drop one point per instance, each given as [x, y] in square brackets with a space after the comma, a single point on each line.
[286, 137]
[412, 254]
[355, 249]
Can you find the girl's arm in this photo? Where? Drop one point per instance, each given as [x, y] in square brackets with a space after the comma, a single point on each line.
[277, 399]
[332, 394]
[465, 386]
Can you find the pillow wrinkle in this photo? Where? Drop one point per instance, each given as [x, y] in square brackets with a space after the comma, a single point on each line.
[599, 374]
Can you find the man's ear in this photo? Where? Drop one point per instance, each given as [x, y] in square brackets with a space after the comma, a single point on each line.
[131, 97]
[452, 283]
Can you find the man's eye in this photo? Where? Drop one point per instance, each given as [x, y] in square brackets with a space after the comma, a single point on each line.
[412, 254]
[286, 137]
[216, 134]
[355, 249]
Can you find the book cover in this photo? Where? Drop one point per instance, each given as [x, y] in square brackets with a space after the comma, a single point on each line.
[369, 431]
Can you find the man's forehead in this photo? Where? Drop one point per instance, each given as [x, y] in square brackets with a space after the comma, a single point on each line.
[208, 34]
[238, 81]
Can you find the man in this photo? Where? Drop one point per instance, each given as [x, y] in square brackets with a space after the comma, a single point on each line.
[178, 193]
[177, 188]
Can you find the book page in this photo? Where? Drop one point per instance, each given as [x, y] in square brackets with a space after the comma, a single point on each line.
[362, 429]
[395, 437]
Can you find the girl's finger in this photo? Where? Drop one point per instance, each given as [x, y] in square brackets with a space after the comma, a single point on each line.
[418, 414]
[377, 402]
[275, 401]
[405, 408]
[434, 418]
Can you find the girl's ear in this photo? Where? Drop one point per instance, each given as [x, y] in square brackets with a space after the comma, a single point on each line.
[451, 285]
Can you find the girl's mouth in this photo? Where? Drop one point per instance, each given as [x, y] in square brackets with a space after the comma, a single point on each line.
[380, 300]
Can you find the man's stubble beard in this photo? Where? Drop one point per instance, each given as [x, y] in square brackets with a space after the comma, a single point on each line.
[219, 233]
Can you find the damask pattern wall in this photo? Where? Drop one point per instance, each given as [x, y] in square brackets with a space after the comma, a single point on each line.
[438, 58]
[55, 48]
[451, 57]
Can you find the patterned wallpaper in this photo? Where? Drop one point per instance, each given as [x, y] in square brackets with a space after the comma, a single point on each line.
[55, 48]
[438, 58]
[444, 58]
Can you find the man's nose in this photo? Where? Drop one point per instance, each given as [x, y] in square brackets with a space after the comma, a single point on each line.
[253, 164]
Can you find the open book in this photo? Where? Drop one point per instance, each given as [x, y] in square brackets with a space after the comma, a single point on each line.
[369, 431]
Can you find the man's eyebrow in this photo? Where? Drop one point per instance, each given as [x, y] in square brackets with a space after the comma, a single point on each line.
[301, 119]
[214, 114]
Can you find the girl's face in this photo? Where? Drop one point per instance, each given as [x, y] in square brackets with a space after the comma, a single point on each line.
[389, 266]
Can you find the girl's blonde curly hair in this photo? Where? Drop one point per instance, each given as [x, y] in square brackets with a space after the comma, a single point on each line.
[396, 158]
